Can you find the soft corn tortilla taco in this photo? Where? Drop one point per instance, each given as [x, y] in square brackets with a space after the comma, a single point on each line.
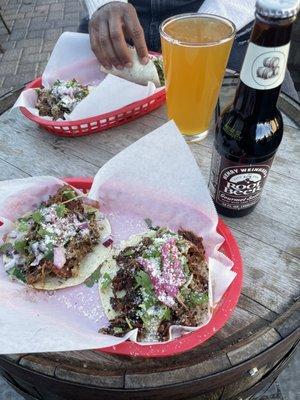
[59, 244]
[139, 73]
[157, 279]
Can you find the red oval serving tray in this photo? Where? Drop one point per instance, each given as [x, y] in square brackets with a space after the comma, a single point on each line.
[98, 123]
[220, 316]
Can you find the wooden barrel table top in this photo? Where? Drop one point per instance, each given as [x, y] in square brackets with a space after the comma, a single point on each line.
[255, 343]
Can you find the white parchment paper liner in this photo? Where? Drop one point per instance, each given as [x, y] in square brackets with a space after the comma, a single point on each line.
[72, 57]
[156, 177]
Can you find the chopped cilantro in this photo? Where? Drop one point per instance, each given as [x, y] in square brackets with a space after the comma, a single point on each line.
[89, 209]
[94, 278]
[142, 279]
[145, 318]
[157, 313]
[20, 246]
[106, 281]
[155, 253]
[22, 225]
[117, 330]
[149, 300]
[159, 67]
[61, 210]
[185, 292]
[198, 298]
[42, 232]
[128, 252]
[193, 299]
[5, 247]
[69, 194]
[49, 255]
[37, 217]
[167, 314]
[71, 83]
[17, 273]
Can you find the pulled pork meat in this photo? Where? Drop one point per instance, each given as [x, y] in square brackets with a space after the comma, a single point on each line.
[54, 238]
[76, 249]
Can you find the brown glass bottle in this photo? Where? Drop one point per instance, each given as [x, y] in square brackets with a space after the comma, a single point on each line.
[250, 130]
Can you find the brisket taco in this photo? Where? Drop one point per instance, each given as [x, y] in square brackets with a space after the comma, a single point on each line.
[58, 244]
[139, 73]
[158, 279]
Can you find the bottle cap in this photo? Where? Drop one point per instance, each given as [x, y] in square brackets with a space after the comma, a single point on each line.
[278, 9]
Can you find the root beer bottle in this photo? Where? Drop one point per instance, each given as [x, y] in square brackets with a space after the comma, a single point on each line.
[250, 130]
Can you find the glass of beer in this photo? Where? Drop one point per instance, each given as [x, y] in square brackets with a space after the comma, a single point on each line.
[195, 51]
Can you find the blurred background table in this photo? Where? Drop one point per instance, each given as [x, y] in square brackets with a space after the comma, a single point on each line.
[241, 360]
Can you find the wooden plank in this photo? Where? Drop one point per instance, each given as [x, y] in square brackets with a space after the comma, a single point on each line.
[90, 377]
[8, 171]
[44, 365]
[245, 382]
[289, 322]
[255, 308]
[211, 396]
[267, 230]
[243, 353]
[35, 157]
[15, 358]
[290, 107]
[271, 276]
[172, 376]
[217, 395]
[242, 325]
[85, 359]
[95, 149]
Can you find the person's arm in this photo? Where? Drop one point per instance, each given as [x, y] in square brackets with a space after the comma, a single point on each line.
[94, 5]
[239, 12]
[111, 24]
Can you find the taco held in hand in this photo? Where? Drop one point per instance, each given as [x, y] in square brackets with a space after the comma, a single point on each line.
[139, 73]
[59, 244]
[158, 279]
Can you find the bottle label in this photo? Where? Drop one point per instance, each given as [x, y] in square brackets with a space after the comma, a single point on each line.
[237, 186]
[264, 67]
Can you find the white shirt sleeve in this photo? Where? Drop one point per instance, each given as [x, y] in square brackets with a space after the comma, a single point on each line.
[93, 5]
[239, 12]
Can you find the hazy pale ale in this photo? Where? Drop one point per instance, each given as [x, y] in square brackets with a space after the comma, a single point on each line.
[250, 130]
[195, 50]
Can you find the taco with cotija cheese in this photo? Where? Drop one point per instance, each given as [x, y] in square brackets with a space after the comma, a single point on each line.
[157, 279]
[58, 244]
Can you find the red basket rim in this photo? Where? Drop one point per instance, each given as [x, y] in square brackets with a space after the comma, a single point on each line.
[220, 316]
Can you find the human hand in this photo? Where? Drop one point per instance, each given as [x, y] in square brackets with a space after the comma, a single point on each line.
[110, 26]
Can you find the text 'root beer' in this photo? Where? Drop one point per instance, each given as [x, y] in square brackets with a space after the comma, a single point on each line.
[250, 130]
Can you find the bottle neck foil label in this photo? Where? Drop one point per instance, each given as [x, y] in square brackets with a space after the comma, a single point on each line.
[237, 186]
[264, 67]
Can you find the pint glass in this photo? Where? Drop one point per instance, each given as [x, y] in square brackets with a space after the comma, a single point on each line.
[195, 51]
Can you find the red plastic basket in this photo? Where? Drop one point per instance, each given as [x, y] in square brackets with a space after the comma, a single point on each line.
[99, 123]
[220, 316]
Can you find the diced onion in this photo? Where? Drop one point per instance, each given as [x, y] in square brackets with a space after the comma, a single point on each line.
[108, 241]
